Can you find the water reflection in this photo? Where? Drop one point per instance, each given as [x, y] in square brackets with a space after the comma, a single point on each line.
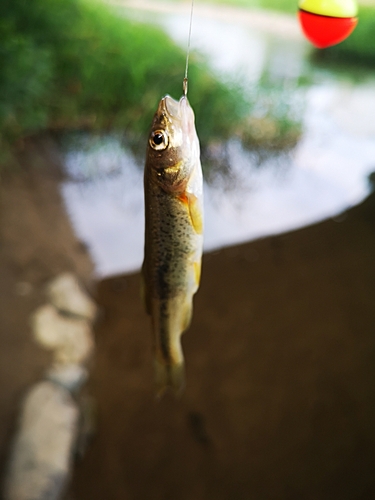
[323, 175]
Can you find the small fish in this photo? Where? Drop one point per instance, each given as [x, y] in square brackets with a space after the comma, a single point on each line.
[173, 235]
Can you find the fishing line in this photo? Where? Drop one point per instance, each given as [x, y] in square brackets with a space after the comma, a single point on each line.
[185, 80]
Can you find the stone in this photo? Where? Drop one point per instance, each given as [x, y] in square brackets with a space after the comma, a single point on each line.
[67, 295]
[41, 457]
[69, 376]
[71, 339]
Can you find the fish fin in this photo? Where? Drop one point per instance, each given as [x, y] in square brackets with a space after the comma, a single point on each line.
[169, 375]
[195, 211]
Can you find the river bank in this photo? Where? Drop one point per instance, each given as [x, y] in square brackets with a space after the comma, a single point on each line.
[279, 358]
[37, 244]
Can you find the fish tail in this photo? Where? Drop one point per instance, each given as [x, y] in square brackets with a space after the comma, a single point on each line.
[169, 374]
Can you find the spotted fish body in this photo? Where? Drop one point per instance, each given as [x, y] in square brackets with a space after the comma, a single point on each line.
[173, 234]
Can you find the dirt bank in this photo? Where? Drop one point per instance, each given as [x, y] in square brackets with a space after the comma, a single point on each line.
[36, 243]
[280, 396]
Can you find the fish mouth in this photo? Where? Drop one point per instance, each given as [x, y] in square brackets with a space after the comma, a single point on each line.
[173, 108]
[178, 112]
[170, 107]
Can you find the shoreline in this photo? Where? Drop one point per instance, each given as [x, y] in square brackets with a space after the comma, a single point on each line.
[283, 25]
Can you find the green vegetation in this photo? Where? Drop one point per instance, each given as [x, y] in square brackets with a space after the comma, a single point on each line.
[71, 64]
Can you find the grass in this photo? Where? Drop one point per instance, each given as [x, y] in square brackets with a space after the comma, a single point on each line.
[71, 64]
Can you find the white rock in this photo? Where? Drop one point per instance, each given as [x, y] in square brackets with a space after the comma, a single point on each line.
[71, 339]
[41, 456]
[71, 376]
[66, 293]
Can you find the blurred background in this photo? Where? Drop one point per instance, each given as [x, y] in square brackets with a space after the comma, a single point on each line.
[280, 395]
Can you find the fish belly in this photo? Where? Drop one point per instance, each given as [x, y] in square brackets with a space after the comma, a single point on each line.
[171, 276]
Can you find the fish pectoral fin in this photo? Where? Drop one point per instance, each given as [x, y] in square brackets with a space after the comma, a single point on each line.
[195, 211]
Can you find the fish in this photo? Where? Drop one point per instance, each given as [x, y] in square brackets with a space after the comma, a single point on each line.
[173, 187]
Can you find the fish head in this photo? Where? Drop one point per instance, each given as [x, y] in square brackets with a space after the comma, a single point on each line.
[173, 146]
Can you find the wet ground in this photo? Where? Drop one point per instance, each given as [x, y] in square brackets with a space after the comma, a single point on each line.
[280, 395]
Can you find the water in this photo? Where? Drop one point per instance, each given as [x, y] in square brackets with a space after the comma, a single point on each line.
[325, 174]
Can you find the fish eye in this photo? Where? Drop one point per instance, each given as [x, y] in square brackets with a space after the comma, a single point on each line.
[158, 140]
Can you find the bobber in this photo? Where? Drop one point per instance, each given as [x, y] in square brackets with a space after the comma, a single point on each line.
[327, 22]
